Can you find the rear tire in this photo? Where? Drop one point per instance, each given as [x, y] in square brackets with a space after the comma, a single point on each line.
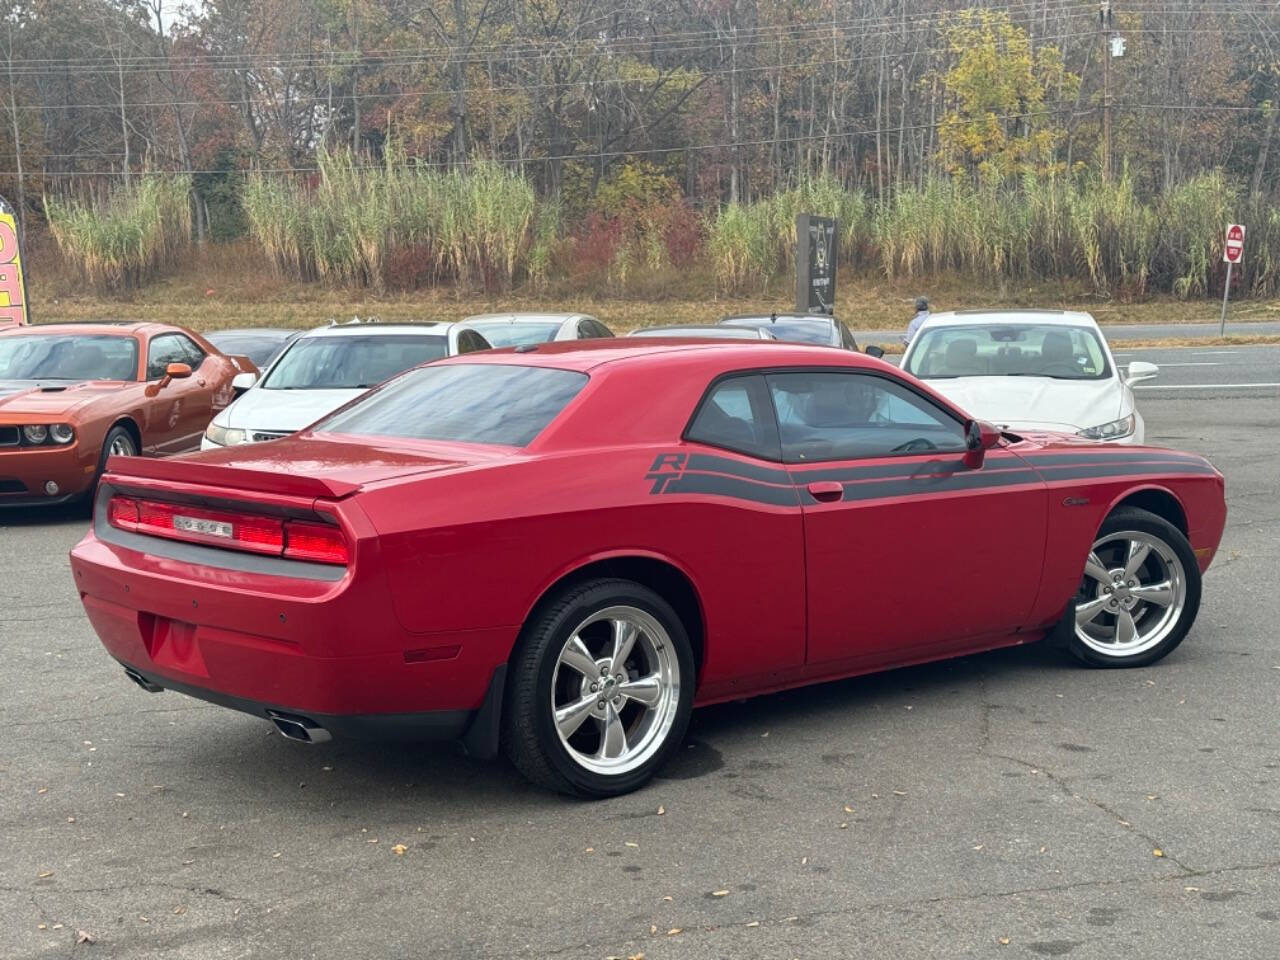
[1139, 595]
[600, 689]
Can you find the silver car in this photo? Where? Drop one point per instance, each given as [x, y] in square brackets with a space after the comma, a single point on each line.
[521, 329]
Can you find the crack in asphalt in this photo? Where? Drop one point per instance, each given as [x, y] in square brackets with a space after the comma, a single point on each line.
[950, 899]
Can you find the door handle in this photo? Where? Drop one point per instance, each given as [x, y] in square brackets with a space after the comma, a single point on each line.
[826, 491]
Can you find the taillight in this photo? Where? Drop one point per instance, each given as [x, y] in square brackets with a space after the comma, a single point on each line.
[317, 542]
[297, 540]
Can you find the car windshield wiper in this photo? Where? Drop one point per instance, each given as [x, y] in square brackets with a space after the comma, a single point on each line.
[1051, 376]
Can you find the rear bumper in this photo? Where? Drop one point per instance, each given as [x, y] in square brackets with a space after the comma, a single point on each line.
[428, 725]
[331, 651]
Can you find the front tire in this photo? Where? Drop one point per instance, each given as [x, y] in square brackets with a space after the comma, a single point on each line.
[1139, 595]
[601, 689]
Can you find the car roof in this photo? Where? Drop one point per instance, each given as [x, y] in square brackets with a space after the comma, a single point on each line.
[754, 318]
[587, 355]
[429, 328]
[254, 332]
[1064, 318]
[714, 327]
[522, 317]
[106, 328]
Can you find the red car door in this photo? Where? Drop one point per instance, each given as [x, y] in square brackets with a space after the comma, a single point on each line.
[907, 550]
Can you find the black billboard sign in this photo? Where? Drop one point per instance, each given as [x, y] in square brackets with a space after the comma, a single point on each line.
[815, 264]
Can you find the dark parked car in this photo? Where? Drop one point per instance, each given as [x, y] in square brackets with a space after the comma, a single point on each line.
[261, 345]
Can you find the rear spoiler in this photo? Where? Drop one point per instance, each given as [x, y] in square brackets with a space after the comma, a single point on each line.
[213, 475]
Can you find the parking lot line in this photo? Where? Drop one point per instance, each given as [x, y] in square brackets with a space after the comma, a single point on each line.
[1208, 386]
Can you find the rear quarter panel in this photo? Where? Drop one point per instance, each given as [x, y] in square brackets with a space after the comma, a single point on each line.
[478, 548]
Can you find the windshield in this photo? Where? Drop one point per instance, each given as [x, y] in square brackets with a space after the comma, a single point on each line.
[260, 348]
[792, 329]
[351, 362]
[68, 357]
[502, 333]
[469, 403]
[1013, 350]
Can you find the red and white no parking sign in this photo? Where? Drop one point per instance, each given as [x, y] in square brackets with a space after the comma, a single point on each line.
[1233, 249]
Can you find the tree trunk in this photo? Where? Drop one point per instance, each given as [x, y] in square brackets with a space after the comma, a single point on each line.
[1260, 165]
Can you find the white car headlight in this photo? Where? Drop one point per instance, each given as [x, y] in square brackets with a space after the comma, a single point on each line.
[36, 433]
[1114, 430]
[62, 433]
[225, 436]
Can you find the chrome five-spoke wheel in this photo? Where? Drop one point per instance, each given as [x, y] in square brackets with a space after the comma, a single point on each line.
[615, 690]
[1139, 594]
[600, 688]
[121, 446]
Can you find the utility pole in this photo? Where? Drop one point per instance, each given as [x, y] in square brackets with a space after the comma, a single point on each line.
[1104, 22]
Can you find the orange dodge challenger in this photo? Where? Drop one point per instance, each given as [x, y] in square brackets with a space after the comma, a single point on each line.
[71, 395]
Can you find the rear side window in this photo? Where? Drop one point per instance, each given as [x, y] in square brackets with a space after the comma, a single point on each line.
[466, 403]
[736, 414]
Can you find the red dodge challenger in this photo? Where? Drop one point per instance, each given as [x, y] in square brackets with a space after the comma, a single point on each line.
[559, 551]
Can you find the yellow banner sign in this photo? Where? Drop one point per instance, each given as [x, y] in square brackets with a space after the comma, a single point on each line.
[13, 292]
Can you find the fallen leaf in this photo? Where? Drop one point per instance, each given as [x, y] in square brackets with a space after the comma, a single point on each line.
[57, 926]
[42, 926]
[43, 790]
[636, 956]
[375, 840]
[121, 795]
[844, 826]
[46, 873]
[181, 908]
[848, 809]
[630, 844]
[275, 856]
[803, 861]
[754, 923]
[653, 928]
[662, 811]
[719, 893]
[666, 899]
[789, 919]
[1153, 796]
[673, 931]
[84, 936]
[899, 793]
[1043, 849]
[1004, 941]
[978, 847]
[1191, 889]
[591, 849]
[763, 735]
[1157, 852]
[144, 919]
[399, 849]
[187, 863]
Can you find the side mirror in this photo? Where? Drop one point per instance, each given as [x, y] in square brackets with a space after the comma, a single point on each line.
[873, 351]
[979, 437]
[174, 371]
[1140, 370]
[243, 381]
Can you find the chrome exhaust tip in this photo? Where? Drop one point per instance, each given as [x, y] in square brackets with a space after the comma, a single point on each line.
[293, 727]
[142, 681]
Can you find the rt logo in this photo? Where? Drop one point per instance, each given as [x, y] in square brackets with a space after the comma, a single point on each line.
[666, 467]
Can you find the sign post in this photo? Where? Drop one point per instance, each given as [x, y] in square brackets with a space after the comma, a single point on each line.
[815, 264]
[1232, 253]
[13, 294]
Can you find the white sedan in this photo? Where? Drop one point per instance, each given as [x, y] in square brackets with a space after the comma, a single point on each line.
[323, 369]
[1030, 370]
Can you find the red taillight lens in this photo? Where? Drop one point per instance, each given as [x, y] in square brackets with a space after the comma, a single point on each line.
[123, 513]
[317, 542]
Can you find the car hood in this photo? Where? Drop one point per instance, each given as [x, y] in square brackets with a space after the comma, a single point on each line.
[283, 410]
[1042, 402]
[45, 398]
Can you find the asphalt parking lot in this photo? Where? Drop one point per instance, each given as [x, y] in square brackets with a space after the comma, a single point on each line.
[1011, 804]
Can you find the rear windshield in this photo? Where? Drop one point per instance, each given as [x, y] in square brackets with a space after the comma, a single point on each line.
[793, 329]
[45, 356]
[467, 403]
[718, 333]
[500, 333]
[349, 362]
